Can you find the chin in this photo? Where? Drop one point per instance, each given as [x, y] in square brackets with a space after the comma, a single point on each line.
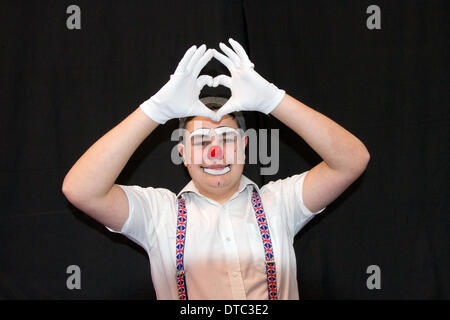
[219, 178]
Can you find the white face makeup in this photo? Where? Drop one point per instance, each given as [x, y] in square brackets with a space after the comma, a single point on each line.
[203, 136]
[218, 171]
[214, 144]
[214, 153]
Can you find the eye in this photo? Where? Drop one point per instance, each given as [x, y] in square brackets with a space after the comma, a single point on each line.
[198, 139]
[229, 138]
[201, 142]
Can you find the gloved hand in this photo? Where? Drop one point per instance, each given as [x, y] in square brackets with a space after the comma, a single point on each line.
[249, 91]
[179, 96]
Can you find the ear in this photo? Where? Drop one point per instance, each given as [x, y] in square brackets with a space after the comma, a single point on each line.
[180, 148]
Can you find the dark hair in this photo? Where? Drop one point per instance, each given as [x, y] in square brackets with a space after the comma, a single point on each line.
[214, 103]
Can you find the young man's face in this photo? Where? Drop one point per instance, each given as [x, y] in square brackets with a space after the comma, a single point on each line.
[214, 152]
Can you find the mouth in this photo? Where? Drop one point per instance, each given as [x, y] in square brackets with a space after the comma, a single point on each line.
[216, 169]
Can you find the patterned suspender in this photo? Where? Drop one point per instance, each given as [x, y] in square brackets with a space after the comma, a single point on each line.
[265, 236]
[180, 240]
[271, 271]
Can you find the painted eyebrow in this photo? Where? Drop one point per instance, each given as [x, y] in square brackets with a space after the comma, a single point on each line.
[199, 136]
[204, 135]
[213, 128]
[210, 128]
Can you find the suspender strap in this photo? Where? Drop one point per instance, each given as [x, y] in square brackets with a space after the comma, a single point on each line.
[265, 236]
[180, 241]
[271, 271]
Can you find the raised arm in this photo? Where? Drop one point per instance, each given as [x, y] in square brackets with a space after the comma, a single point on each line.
[345, 157]
[90, 186]
[90, 183]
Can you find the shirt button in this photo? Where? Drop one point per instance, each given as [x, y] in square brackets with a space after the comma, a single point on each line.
[228, 238]
[235, 274]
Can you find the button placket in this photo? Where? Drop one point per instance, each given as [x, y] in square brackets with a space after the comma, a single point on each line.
[234, 270]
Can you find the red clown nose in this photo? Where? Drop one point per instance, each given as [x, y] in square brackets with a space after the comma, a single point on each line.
[215, 152]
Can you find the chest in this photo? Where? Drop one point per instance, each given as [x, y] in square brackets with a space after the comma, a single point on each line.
[232, 231]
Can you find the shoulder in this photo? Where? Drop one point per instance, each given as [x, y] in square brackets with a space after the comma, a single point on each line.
[150, 194]
[284, 185]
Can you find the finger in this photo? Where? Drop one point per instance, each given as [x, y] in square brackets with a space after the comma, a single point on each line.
[227, 108]
[202, 62]
[239, 50]
[197, 55]
[222, 80]
[185, 60]
[203, 111]
[231, 54]
[205, 80]
[223, 59]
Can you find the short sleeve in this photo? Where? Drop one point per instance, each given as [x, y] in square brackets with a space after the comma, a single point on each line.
[290, 191]
[146, 210]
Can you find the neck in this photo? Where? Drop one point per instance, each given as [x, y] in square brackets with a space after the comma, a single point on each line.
[220, 195]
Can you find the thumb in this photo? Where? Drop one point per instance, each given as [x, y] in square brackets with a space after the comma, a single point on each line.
[205, 80]
[203, 111]
[227, 108]
[222, 80]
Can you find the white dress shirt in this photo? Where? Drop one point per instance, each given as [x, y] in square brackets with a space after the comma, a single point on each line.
[224, 254]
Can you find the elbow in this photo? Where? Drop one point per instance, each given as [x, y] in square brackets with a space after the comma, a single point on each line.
[356, 162]
[69, 191]
[74, 196]
[66, 189]
[78, 193]
[364, 157]
[361, 161]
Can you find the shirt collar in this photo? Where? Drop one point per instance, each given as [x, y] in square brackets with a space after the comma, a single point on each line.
[190, 187]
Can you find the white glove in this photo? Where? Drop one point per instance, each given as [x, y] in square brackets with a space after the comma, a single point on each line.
[179, 96]
[249, 91]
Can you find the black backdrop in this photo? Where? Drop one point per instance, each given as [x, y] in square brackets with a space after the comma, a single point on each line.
[62, 89]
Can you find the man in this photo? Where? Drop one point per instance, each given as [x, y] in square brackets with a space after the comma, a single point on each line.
[221, 237]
